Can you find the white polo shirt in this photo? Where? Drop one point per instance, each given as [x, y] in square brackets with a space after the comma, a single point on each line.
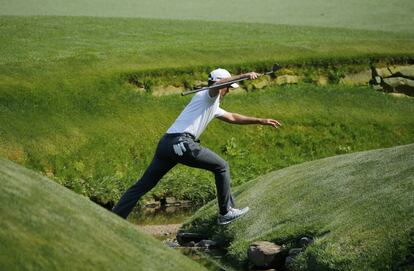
[197, 114]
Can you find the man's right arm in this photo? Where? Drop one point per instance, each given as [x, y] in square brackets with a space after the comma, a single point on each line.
[236, 118]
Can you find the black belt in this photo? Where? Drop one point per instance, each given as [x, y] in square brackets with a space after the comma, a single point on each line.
[181, 134]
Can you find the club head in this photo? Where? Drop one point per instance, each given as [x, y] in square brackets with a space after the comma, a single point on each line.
[276, 67]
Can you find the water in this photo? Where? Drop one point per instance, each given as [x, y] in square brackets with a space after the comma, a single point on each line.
[163, 215]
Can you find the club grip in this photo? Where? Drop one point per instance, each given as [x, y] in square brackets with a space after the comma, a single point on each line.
[192, 91]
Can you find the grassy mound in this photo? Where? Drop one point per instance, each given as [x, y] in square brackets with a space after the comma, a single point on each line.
[44, 226]
[359, 207]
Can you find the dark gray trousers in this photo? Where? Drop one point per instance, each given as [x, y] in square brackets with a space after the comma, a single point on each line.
[165, 159]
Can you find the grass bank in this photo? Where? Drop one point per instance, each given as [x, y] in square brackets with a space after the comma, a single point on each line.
[358, 207]
[44, 226]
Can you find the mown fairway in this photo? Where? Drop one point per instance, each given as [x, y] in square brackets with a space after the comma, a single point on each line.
[367, 14]
[358, 207]
[47, 49]
[44, 226]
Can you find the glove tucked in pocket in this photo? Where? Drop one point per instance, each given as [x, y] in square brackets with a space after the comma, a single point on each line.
[179, 149]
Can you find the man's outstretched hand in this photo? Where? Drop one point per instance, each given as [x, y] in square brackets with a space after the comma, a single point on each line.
[271, 122]
[252, 75]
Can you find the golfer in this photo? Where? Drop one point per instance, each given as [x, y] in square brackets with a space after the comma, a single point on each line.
[181, 145]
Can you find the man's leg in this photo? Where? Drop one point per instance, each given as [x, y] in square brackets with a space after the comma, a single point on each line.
[209, 160]
[156, 170]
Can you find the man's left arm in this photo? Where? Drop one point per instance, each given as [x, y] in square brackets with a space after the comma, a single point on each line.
[236, 118]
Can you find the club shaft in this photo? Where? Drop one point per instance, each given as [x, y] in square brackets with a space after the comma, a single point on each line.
[218, 86]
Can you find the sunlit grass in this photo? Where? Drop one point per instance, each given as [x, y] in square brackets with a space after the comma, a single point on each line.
[365, 14]
[45, 226]
[45, 48]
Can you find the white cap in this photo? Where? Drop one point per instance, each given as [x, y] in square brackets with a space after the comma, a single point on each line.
[219, 74]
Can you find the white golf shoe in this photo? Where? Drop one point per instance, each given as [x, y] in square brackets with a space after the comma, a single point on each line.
[231, 215]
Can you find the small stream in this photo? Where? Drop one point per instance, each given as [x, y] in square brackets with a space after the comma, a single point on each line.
[163, 215]
[158, 219]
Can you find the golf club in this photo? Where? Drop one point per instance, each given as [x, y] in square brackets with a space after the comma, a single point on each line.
[275, 68]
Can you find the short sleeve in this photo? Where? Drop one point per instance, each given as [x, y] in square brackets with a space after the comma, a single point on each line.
[219, 112]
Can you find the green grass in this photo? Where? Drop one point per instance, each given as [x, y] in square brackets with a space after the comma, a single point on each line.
[44, 226]
[38, 49]
[366, 14]
[68, 111]
[97, 137]
[359, 207]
